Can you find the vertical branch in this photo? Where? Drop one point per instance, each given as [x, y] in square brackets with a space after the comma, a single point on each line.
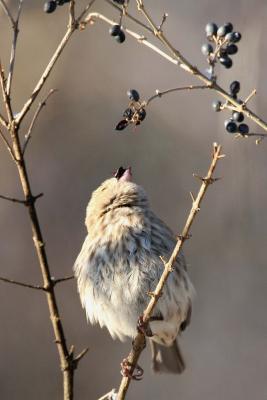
[15, 26]
[139, 341]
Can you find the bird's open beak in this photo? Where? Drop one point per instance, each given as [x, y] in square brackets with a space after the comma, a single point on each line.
[123, 174]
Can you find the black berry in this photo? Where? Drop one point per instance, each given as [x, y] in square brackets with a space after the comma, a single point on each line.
[60, 2]
[115, 30]
[230, 126]
[211, 29]
[243, 129]
[121, 125]
[128, 113]
[216, 105]
[236, 37]
[133, 95]
[120, 37]
[231, 49]
[238, 116]
[222, 31]
[228, 27]
[206, 49]
[226, 61]
[234, 87]
[121, 2]
[141, 114]
[50, 6]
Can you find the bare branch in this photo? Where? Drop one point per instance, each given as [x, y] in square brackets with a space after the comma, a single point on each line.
[80, 356]
[13, 49]
[13, 200]
[37, 112]
[72, 13]
[109, 396]
[84, 12]
[27, 285]
[159, 94]
[139, 340]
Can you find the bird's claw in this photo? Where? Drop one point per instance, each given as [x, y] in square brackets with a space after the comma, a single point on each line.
[143, 327]
[127, 370]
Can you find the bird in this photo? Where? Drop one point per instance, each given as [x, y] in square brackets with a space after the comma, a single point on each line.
[120, 263]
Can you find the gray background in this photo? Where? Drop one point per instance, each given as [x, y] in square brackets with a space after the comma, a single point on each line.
[75, 147]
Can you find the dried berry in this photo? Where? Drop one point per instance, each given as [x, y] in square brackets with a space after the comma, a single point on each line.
[120, 37]
[234, 87]
[206, 49]
[211, 29]
[133, 95]
[121, 125]
[50, 6]
[230, 126]
[226, 61]
[216, 105]
[115, 30]
[231, 49]
[243, 129]
[141, 114]
[238, 116]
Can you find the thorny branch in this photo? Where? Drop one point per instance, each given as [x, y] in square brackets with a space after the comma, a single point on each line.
[38, 287]
[139, 341]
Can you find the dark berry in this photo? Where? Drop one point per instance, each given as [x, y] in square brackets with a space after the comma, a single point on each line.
[238, 116]
[128, 113]
[141, 114]
[216, 105]
[231, 49]
[121, 125]
[50, 6]
[222, 31]
[243, 129]
[230, 37]
[120, 37]
[228, 27]
[206, 49]
[236, 37]
[60, 2]
[121, 2]
[115, 30]
[133, 95]
[211, 29]
[234, 87]
[226, 61]
[230, 126]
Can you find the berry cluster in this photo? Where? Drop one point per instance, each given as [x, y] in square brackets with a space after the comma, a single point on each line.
[50, 6]
[135, 113]
[235, 123]
[224, 40]
[117, 32]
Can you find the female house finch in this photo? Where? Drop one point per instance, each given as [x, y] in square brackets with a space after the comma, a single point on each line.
[120, 263]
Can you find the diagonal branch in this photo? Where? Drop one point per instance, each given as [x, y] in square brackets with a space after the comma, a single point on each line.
[37, 112]
[139, 340]
[15, 27]
[6, 97]
[159, 94]
[27, 285]
[7, 11]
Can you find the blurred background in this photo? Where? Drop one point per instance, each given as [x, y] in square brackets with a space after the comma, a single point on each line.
[75, 147]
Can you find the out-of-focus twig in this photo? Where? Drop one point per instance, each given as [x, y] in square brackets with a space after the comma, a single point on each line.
[37, 112]
[139, 341]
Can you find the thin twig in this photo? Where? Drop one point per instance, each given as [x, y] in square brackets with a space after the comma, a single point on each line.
[37, 112]
[109, 396]
[5, 95]
[13, 200]
[27, 285]
[139, 340]
[15, 27]
[7, 145]
[7, 11]
[59, 280]
[159, 93]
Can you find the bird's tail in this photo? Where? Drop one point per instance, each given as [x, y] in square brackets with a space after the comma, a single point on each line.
[167, 359]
